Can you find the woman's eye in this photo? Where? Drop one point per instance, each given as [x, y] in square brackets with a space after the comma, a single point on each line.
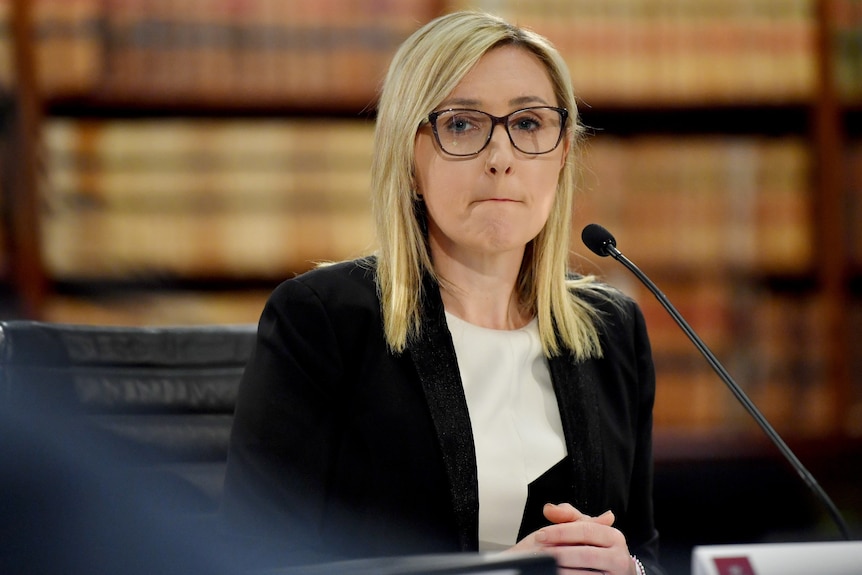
[527, 124]
[460, 124]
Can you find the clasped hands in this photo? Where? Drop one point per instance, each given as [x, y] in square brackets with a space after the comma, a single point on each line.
[580, 543]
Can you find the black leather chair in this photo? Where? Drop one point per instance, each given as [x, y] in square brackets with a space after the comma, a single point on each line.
[162, 398]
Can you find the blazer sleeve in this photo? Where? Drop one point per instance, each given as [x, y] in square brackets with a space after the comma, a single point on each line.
[284, 430]
[644, 545]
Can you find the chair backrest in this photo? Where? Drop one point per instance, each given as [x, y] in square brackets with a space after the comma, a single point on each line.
[164, 396]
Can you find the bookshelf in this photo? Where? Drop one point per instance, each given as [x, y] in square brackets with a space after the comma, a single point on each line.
[186, 156]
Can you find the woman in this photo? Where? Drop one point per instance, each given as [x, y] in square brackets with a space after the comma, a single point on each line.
[444, 393]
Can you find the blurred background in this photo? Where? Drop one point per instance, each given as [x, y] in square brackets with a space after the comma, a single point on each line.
[168, 162]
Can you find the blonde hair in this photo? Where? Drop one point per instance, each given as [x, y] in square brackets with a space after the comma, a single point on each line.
[425, 70]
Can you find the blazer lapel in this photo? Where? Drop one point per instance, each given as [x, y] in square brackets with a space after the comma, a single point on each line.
[575, 387]
[433, 355]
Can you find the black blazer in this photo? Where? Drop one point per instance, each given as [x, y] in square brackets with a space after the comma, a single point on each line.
[343, 448]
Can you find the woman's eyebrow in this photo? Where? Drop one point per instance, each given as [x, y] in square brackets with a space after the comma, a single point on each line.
[520, 101]
[475, 103]
[466, 102]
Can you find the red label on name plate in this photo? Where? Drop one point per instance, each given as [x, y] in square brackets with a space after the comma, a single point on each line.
[733, 566]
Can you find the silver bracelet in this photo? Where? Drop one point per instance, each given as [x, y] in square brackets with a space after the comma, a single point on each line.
[639, 567]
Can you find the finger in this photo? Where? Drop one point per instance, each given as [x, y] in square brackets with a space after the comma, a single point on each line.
[606, 518]
[562, 513]
[584, 532]
[565, 512]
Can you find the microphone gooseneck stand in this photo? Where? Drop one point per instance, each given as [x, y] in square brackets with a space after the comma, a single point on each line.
[601, 242]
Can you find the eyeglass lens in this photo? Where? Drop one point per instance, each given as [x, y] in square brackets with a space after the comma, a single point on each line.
[466, 132]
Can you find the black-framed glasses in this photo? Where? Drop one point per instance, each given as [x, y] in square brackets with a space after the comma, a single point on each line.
[463, 132]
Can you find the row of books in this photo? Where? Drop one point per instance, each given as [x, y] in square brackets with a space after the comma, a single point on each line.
[773, 345]
[671, 51]
[204, 198]
[318, 53]
[699, 202]
[335, 52]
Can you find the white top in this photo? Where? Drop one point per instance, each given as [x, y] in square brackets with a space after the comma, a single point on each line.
[515, 419]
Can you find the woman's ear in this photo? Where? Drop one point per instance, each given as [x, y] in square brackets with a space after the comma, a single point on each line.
[567, 143]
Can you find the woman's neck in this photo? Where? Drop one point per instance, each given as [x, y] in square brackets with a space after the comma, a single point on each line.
[481, 289]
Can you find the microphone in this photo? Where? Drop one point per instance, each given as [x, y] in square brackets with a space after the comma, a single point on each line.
[602, 243]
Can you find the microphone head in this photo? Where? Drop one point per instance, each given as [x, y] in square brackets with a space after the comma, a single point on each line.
[598, 239]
